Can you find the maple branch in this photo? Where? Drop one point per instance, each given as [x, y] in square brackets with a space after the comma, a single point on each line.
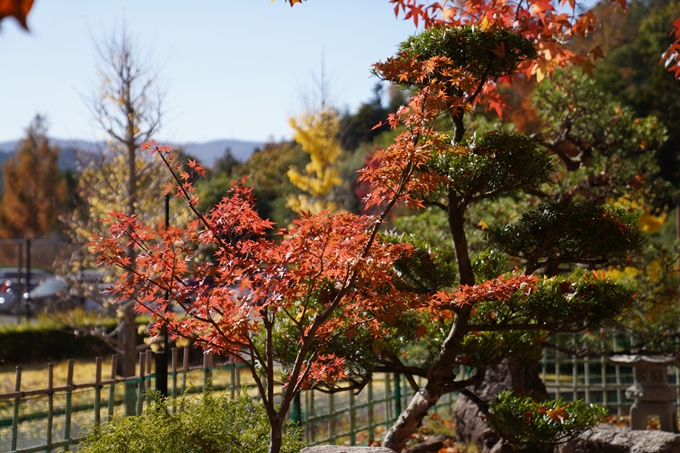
[269, 327]
[187, 199]
[337, 334]
[313, 279]
[518, 8]
[133, 271]
[254, 353]
[292, 318]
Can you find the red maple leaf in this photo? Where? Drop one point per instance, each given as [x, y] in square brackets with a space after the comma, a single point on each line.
[18, 9]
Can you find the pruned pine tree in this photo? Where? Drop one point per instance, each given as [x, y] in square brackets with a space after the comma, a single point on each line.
[483, 315]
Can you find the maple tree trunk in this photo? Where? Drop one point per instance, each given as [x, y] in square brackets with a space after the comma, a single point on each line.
[275, 436]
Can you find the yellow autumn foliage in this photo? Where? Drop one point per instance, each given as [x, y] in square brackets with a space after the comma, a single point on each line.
[647, 221]
[103, 187]
[316, 132]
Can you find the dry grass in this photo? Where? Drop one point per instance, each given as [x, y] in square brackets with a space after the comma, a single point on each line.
[34, 375]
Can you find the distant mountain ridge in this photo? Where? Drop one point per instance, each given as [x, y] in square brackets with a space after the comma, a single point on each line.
[206, 152]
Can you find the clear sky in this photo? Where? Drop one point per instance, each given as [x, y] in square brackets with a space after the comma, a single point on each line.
[232, 69]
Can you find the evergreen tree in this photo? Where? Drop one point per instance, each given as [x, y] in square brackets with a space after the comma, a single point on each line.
[633, 43]
[226, 163]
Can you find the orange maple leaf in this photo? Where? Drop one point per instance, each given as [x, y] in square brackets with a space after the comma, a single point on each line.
[540, 7]
[559, 413]
[18, 9]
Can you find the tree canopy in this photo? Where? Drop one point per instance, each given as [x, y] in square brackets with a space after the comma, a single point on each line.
[33, 194]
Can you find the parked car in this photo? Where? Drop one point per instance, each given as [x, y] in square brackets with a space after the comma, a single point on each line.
[56, 294]
[13, 287]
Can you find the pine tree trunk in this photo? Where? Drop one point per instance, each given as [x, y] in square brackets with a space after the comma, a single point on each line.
[439, 378]
[412, 417]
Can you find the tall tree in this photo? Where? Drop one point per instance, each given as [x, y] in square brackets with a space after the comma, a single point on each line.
[226, 163]
[33, 193]
[127, 105]
[317, 133]
[266, 171]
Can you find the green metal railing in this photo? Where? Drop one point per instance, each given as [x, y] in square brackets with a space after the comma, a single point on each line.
[57, 417]
[593, 378]
[53, 418]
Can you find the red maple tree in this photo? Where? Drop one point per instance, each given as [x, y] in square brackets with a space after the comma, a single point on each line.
[325, 276]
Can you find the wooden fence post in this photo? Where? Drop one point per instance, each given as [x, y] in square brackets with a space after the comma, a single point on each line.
[17, 401]
[69, 408]
[112, 386]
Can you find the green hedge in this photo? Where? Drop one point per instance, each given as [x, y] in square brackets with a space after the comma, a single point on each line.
[52, 341]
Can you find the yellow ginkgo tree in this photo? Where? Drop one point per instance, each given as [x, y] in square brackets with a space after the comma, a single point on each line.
[316, 132]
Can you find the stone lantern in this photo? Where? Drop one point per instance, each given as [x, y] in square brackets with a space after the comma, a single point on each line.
[653, 395]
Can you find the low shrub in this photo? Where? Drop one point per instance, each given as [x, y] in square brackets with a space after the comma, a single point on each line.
[191, 424]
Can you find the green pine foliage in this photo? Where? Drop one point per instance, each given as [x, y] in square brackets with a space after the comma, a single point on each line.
[472, 49]
[524, 422]
[570, 233]
[498, 164]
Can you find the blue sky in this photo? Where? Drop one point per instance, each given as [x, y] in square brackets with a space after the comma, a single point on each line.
[231, 68]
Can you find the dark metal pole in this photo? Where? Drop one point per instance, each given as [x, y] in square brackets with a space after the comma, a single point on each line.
[19, 297]
[162, 355]
[27, 283]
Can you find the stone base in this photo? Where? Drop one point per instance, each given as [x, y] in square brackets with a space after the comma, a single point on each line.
[343, 449]
[607, 439]
[667, 412]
